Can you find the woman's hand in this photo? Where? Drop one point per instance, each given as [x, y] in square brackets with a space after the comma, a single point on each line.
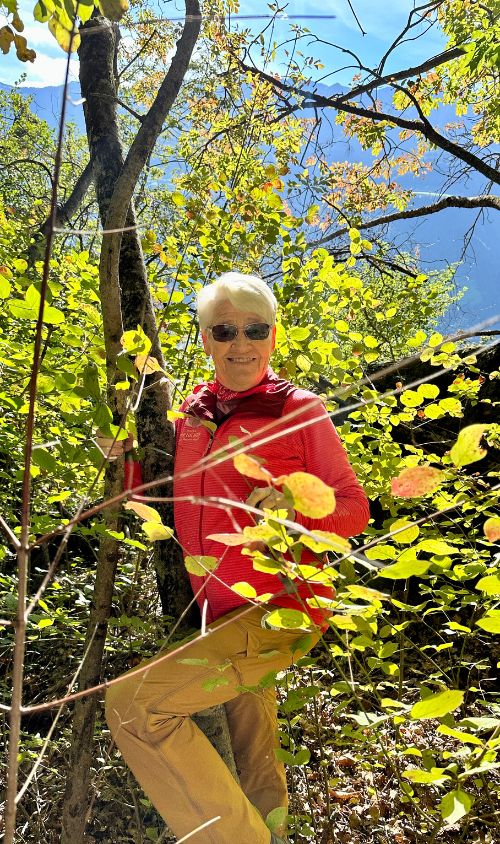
[268, 498]
[112, 449]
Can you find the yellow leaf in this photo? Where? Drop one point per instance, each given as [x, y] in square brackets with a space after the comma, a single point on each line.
[324, 540]
[310, 495]
[231, 539]
[250, 466]
[147, 364]
[172, 415]
[200, 565]
[467, 448]
[364, 593]
[404, 537]
[63, 35]
[156, 530]
[491, 529]
[113, 9]
[244, 589]
[149, 514]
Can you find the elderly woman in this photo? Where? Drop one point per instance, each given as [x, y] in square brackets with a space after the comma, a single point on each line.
[149, 713]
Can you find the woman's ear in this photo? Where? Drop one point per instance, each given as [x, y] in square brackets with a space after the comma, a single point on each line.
[205, 341]
[273, 338]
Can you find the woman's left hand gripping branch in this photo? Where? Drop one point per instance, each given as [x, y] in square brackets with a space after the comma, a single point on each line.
[268, 498]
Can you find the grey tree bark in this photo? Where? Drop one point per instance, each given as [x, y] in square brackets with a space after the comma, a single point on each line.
[126, 301]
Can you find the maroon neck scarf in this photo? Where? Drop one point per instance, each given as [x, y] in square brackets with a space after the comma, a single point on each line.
[266, 399]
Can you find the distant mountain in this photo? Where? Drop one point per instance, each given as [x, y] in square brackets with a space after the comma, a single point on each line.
[438, 238]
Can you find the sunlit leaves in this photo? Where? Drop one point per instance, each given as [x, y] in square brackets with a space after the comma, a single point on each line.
[468, 448]
[436, 776]
[490, 622]
[157, 531]
[324, 540]
[455, 805]
[490, 584]
[405, 568]
[144, 511]
[438, 704]
[491, 529]
[201, 564]
[404, 532]
[135, 342]
[251, 467]
[415, 481]
[246, 590]
[147, 364]
[283, 618]
[309, 494]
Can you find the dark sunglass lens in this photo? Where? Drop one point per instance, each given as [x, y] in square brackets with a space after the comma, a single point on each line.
[224, 333]
[257, 331]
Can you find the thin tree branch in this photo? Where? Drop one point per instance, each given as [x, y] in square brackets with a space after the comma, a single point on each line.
[313, 100]
[482, 201]
[417, 70]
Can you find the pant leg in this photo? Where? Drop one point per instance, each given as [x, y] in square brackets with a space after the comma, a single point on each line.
[253, 725]
[148, 714]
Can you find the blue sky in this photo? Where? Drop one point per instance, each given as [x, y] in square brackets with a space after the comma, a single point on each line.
[382, 20]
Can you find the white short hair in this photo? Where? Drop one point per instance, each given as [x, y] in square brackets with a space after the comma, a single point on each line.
[245, 292]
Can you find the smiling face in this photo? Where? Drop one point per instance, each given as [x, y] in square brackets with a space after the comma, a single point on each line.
[240, 363]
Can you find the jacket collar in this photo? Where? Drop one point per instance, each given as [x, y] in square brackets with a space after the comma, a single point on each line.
[266, 398]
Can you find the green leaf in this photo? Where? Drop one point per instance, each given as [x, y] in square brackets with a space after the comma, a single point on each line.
[299, 333]
[303, 363]
[45, 622]
[467, 448]
[324, 540]
[434, 776]
[438, 704]
[404, 537]
[5, 287]
[276, 819]
[405, 568]
[455, 805]
[287, 619]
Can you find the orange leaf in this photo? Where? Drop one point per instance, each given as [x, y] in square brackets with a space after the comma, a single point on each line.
[492, 529]
[310, 495]
[416, 481]
[251, 467]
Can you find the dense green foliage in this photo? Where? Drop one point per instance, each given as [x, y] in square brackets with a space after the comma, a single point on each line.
[391, 728]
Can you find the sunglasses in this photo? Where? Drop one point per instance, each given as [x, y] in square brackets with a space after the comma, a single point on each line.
[226, 332]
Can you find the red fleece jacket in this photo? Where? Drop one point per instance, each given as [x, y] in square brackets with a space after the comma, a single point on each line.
[312, 445]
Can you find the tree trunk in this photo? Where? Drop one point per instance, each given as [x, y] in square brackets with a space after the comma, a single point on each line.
[155, 433]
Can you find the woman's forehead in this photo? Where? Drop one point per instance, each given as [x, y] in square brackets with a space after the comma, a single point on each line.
[226, 312]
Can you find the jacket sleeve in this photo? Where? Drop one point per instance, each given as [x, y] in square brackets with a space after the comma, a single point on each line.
[324, 456]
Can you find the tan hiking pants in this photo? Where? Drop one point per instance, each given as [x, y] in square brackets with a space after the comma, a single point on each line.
[179, 770]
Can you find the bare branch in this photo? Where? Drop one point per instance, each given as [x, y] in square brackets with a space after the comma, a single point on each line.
[482, 201]
[313, 100]
[416, 70]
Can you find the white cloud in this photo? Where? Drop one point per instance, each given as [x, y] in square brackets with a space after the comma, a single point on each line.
[45, 70]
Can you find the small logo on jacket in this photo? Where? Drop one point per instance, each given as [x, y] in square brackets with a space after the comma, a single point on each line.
[191, 434]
